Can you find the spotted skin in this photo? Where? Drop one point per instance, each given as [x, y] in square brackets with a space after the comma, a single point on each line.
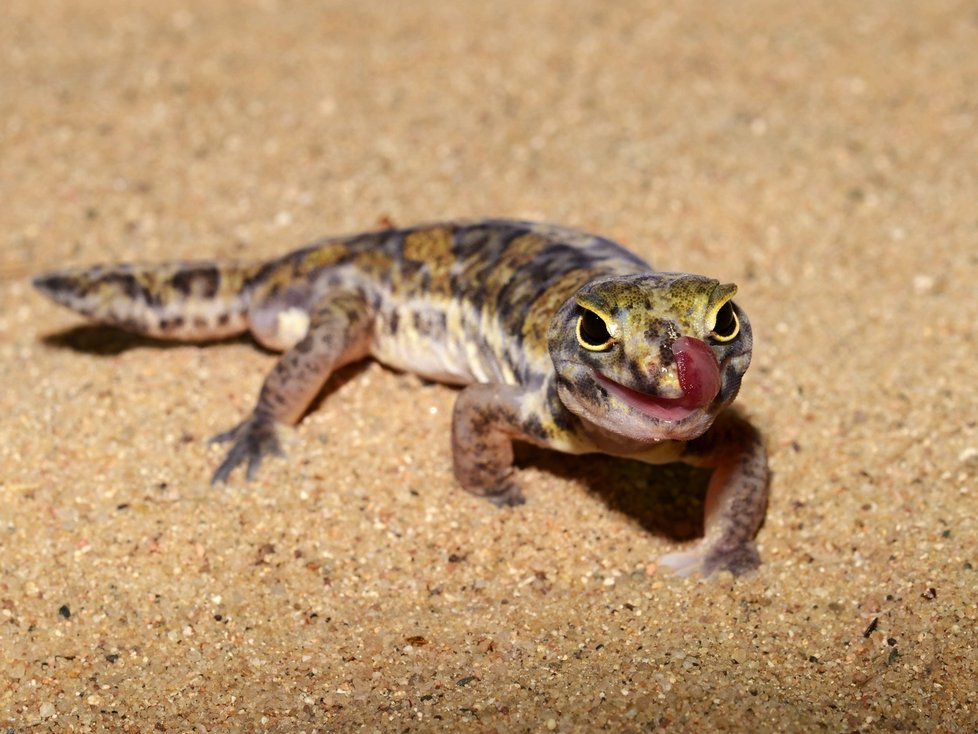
[496, 306]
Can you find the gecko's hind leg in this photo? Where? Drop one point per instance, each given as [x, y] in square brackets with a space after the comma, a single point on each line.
[339, 333]
[252, 440]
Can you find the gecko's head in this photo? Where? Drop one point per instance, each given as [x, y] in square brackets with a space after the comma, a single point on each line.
[650, 357]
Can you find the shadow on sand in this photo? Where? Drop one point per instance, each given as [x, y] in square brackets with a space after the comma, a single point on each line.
[664, 500]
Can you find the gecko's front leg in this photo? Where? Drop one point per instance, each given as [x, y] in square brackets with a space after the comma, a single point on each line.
[486, 420]
[736, 498]
[338, 333]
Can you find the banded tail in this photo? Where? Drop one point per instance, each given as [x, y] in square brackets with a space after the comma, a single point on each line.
[181, 301]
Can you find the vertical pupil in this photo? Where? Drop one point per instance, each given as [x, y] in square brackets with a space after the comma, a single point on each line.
[593, 329]
[725, 320]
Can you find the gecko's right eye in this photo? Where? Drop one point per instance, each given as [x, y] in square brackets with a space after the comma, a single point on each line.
[592, 332]
[727, 326]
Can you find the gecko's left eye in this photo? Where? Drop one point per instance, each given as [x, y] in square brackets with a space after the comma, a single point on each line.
[592, 332]
[727, 325]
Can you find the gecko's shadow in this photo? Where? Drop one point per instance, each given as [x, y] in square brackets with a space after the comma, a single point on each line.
[665, 500]
[108, 341]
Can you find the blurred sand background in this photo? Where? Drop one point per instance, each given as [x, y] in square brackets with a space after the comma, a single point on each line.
[822, 155]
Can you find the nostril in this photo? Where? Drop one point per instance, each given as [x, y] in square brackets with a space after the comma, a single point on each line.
[656, 368]
[659, 377]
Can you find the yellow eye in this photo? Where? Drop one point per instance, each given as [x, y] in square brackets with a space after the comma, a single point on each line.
[592, 332]
[727, 325]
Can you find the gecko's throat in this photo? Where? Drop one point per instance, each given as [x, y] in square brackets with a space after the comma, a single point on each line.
[699, 378]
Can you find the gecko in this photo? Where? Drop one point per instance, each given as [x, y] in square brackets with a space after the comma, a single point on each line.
[557, 338]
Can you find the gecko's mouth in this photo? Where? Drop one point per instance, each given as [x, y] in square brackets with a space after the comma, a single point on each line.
[699, 378]
[672, 410]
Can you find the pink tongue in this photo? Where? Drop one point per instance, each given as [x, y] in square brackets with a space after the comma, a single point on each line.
[699, 374]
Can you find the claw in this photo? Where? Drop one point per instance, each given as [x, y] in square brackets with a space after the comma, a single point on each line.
[224, 436]
[253, 440]
[706, 560]
[508, 495]
[682, 563]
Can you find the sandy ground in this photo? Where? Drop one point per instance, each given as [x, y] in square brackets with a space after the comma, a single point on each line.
[823, 155]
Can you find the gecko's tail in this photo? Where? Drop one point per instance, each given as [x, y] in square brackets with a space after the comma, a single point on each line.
[183, 301]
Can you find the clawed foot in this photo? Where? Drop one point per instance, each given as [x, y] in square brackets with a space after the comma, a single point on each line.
[252, 440]
[508, 494]
[738, 560]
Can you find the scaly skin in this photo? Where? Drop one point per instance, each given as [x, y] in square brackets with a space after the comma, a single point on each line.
[562, 339]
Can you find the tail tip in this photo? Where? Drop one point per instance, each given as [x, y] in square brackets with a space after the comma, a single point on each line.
[50, 283]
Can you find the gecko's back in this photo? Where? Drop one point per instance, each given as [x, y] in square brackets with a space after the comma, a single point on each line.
[457, 302]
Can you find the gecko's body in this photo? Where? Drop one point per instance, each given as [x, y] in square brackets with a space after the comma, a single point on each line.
[563, 339]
